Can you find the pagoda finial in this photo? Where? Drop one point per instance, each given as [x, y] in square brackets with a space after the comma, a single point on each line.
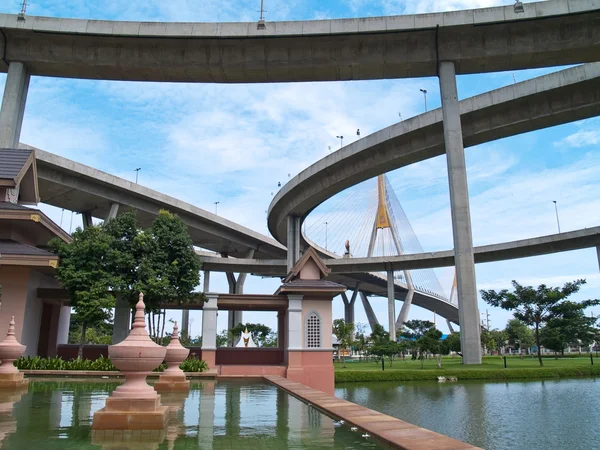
[175, 335]
[139, 321]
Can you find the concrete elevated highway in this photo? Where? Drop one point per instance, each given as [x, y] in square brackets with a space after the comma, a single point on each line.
[548, 33]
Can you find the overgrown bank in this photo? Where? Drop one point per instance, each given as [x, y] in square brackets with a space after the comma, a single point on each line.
[483, 374]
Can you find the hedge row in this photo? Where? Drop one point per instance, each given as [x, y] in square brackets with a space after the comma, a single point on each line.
[483, 374]
[192, 364]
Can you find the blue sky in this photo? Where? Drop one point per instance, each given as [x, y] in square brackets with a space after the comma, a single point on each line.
[233, 144]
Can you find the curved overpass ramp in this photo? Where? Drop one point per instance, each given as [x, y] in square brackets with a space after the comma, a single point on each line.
[548, 33]
[67, 184]
[550, 100]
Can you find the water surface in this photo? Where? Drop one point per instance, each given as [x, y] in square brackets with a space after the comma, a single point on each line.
[223, 415]
[528, 415]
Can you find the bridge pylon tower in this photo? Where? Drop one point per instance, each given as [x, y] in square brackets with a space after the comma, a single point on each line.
[382, 222]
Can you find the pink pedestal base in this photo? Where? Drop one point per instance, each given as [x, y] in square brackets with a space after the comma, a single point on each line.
[172, 383]
[13, 381]
[132, 419]
[128, 439]
[313, 369]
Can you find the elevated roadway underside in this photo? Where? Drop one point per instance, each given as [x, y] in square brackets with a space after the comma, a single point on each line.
[548, 33]
[66, 184]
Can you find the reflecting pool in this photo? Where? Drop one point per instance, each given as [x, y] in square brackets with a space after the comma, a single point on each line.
[528, 415]
[223, 415]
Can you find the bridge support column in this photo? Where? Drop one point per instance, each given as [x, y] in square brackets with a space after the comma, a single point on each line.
[598, 252]
[114, 210]
[349, 306]
[293, 241]
[121, 320]
[405, 307]
[391, 304]
[371, 317]
[450, 327]
[13, 104]
[236, 286]
[86, 218]
[468, 310]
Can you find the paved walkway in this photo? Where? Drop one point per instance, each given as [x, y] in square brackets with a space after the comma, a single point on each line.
[392, 431]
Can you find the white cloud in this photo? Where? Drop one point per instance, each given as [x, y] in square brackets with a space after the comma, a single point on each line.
[582, 138]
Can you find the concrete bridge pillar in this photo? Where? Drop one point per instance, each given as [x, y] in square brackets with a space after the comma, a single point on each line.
[468, 310]
[349, 306]
[598, 252]
[293, 241]
[371, 317]
[13, 104]
[391, 304]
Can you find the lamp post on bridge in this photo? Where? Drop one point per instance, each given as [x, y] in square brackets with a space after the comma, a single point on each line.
[556, 210]
[341, 138]
[424, 91]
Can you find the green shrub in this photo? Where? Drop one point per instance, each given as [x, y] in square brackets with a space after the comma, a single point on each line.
[483, 374]
[193, 364]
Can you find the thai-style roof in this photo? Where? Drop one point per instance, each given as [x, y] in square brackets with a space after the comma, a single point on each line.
[310, 254]
[18, 169]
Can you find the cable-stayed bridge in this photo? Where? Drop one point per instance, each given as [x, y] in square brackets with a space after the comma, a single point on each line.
[368, 220]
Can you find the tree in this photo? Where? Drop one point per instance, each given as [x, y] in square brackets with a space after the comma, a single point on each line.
[431, 341]
[260, 333]
[222, 338]
[378, 335]
[360, 339]
[452, 342]
[84, 273]
[568, 324]
[518, 334]
[532, 306]
[167, 269]
[493, 339]
[387, 348]
[413, 331]
[344, 332]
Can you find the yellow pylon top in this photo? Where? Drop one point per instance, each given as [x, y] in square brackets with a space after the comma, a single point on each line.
[383, 219]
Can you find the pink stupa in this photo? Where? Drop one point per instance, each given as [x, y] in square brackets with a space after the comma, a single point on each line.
[11, 350]
[173, 378]
[134, 405]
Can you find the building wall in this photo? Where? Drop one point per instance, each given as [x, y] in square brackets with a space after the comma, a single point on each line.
[323, 309]
[15, 283]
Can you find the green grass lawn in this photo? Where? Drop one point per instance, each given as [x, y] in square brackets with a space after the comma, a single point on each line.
[489, 362]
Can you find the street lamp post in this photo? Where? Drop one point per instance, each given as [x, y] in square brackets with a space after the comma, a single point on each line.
[556, 209]
[424, 91]
[341, 138]
[137, 171]
[216, 204]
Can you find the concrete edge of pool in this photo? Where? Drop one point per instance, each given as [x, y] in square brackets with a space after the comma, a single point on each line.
[389, 430]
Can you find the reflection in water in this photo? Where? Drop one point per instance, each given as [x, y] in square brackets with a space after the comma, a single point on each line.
[551, 414]
[223, 415]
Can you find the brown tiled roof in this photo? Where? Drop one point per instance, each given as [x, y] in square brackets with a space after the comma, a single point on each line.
[9, 247]
[310, 285]
[12, 161]
[15, 207]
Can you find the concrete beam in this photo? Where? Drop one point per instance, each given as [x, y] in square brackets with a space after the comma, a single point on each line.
[468, 310]
[550, 33]
[13, 104]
